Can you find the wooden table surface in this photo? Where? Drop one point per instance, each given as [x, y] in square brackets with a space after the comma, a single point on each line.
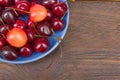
[91, 48]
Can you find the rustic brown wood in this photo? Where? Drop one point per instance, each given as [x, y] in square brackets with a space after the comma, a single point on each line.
[91, 48]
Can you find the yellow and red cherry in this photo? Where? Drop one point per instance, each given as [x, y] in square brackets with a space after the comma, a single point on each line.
[38, 13]
[16, 37]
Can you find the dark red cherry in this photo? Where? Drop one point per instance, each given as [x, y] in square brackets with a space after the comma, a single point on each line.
[5, 2]
[49, 3]
[30, 23]
[49, 15]
[31, 35]
[2, 42]
[57, 24]
[26, 50]
[5, 28]
[41, 45]
[20, 24]
[23, 6]
[17, 1]
[59, 9]
[9, 53]
[44, 28]
[9, 17]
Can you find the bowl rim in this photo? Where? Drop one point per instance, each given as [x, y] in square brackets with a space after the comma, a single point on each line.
[48, 52]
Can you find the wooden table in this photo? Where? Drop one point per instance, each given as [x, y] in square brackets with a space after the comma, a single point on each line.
[91, 48]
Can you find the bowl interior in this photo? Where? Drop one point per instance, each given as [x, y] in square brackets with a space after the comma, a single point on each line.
[54, 43]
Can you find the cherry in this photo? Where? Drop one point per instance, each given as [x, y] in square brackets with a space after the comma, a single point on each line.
[26, 50]
[17, 1]
[49, 3]
[20, 24]
[16, 37]
[2, 42]
[41, 45]
[44, 28]
[34, 1]
[31, 35]
[49, 15]
[9, 53]
[57, 24]
[15, 12]
[5, 2]
[59, 9]
[38, 13]
[30, 23]
[5, 28]
[9, 16]
[23, 6]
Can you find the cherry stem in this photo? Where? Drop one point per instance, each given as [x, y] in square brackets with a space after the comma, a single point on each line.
[61, 51]
[48, 37]
[35, 29]
[17, 9]
[64, 15]
[4, 23]
[3, 36]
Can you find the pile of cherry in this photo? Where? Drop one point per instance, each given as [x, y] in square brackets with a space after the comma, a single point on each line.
[20, 37]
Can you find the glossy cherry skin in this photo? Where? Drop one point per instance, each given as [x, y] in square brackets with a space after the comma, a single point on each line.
[30, 23]
[16, 37]
[59, 9]
[57, 24]
[49, 3]
[23, 6]
[5, 2]
[17, 15]
[2, 42]
[9, 53]
[31, 35]
[49, 15]
[38, 13]
[4, 29]
[26, 50]
[41, 45]
[20, 24]
[18, 1]
[44, 28]
[9, 17]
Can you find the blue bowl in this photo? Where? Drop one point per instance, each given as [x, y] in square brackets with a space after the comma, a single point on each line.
[54, 43]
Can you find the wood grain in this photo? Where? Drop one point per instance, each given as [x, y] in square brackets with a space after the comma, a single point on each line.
[91, 48]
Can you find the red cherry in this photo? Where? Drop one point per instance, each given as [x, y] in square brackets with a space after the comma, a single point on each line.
[44, 28]
[49, 15]
[57, 24]
[30, 23]
[5, 2]
[9, 53]
[26, 50]
[9, 16]
[18, 1]
[20, 24]
[31, 35]
[59, 9]
[41, 45]
[16, 37]
[2, 42]
[5, 28]
[38, 13]
[23, 6]
[49, 3]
